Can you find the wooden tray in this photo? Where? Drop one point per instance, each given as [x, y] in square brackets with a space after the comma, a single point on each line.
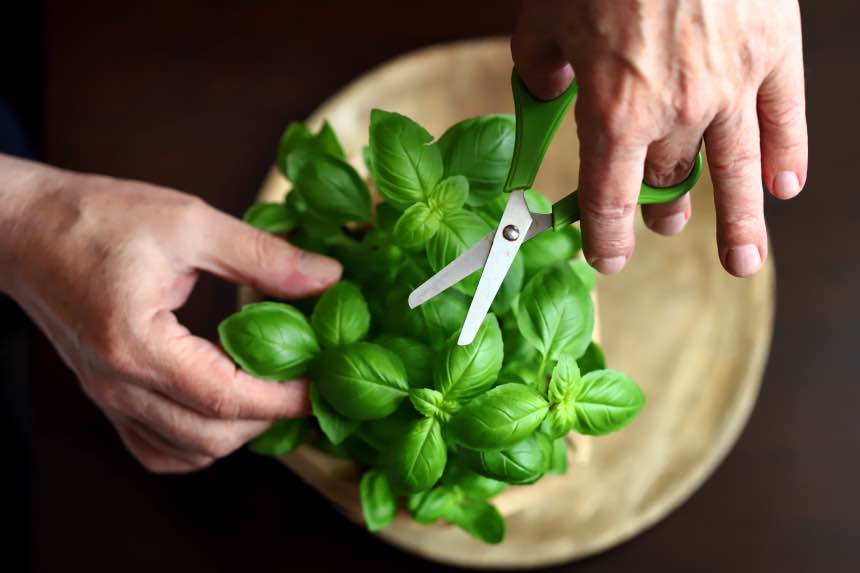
[693, 337]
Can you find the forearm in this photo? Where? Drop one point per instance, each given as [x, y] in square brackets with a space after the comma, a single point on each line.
[22, 184]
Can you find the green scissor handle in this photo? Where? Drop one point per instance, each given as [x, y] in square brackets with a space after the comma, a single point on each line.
[537, 121]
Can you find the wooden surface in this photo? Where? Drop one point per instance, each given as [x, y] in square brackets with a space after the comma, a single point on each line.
[194, 94]
[698, 401]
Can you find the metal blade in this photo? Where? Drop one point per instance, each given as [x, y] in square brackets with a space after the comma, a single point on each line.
[455, 271]
[468, 262]
[510, 234]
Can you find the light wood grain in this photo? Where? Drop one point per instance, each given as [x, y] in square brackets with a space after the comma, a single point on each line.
[693, 337]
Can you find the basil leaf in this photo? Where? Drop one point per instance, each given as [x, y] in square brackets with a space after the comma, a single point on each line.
[386, 216]
[466, 371]
[415, 227]
[517, 349]
[563, 389]
[449, 195]
[606, 401]
[473, 484]
[548, 248]
[499, 418]
[360, 451]
[378, 504]
[537, 202]
[592, 359]
[270, 217]
[522, 463]
[480, 148]
[492, 211]
[429, 506]
[419, 458]
[297, 137]
[416, 357]
[332, 188]
[335, 427]
[586, 274]
[362, 381]
[443, 315]
[405, 166]
[519, 372]
[315, 225]
[282, 437]
[341, 315]
[479, 519]
[558, 460]
[269, 340]
[457, 232]
[427, 401]
[555, 313]
[384, 432]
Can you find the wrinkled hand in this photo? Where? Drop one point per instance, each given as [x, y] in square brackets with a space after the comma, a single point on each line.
[101, 264]
[655, 77]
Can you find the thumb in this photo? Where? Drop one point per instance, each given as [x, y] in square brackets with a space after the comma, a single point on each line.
[537, 57]
[240, 253]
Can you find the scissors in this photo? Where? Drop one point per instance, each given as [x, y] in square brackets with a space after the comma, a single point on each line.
[536, 123]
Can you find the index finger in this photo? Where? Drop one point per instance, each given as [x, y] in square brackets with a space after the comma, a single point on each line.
[195, 372]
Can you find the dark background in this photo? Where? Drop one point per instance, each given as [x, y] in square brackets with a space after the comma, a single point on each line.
[193, 95]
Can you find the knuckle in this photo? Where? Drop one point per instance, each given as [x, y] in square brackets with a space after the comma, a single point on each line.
[663, 171]
[782, 114]
[736, 164]
[603, 210]
[220, 404]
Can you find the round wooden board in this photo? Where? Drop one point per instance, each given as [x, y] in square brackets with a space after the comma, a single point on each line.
[693, 337]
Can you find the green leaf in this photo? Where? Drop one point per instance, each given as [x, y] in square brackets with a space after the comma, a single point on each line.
[499, 418]
[592, 359]
[606, 401]
[522, 463]
[281, 438]
[449, 195]
[473, 484]
[518, 372]
[335, 426]
[586, 274]
[405, 166]
[466, 371]
[383, 433]
[563, 388]
[555, 313]
[386, 216]
[428, 402]
[332, 189]
[419, 458]
[558, 460]
[537, 202]
[415, 227]
[429, 506]
[362, 381]
[416, 357]
[297, 137]
[270, 217]
[480, 149]
[548, 248]
[456, 233]
[341, 315]
[269, 340]
[378, 504]
[479, 519]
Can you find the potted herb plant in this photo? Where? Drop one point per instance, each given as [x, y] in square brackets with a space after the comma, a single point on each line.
[435, 429]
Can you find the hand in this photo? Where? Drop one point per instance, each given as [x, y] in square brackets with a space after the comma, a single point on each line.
[654, 78]
[101, 264]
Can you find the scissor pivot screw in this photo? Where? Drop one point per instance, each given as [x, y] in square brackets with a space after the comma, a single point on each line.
[511, 232]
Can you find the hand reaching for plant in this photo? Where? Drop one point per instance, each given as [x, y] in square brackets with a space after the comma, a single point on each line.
[100, 265]
[654, 78]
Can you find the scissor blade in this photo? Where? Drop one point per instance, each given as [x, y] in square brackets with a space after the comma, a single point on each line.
[502, 252]
[468, 262]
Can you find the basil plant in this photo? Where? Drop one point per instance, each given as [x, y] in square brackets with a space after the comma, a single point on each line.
[437, 428]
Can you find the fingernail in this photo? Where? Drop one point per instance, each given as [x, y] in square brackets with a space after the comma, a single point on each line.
[786, 185]
[609, 265]
[743, 261]
[669, 225]
[322, 269]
